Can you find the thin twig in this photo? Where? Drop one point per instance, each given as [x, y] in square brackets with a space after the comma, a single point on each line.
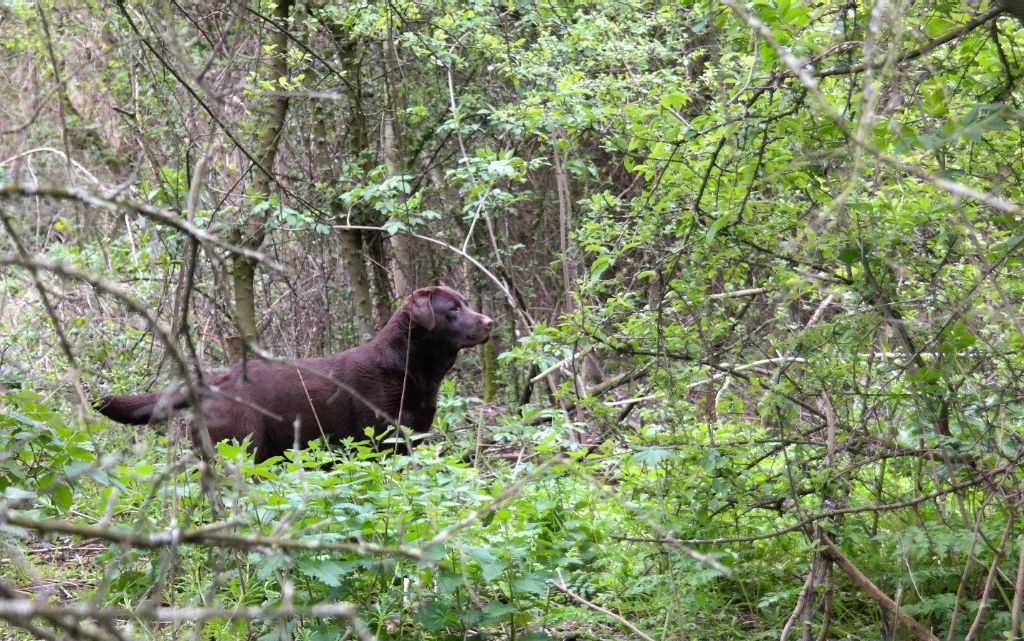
[858, 577]
[208, 535]
[753, 291]
[990, 579]
[917, 52]
[27, 608]
[118, 204]
[985, 477]
[77, 165]
[561, 587]
[1018, 592]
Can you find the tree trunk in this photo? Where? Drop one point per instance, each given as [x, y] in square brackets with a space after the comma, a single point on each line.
[351, 245]
[401, 249]
[350, 242]
[564, 225]
[488, 355]
[357, 247]
[251, 233]
[378, 259]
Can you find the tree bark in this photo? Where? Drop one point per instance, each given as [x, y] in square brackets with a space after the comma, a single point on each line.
[401, 249]
[351, 246]
[350, 242]
[363, 254]
[564, 225]
[488, 355]
[252, 232]
[381, 285]
[851, 570]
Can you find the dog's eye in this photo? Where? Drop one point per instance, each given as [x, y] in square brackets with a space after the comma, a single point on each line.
[452, 313]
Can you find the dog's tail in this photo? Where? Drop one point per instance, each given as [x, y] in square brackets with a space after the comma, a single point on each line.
[143, 409]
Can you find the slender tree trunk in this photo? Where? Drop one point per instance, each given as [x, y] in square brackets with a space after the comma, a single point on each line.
[351, 245]
[378, 260]
[564, 225]
[350, 242]
[402, 251]
[361, 253]
[253, 231]
[488, 355]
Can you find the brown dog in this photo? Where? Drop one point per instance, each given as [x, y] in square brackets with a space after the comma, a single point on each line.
[396, 375]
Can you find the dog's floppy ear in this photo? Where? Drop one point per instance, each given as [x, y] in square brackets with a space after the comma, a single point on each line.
[421, 311]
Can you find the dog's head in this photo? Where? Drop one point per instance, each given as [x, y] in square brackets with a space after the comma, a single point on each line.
[446, 317]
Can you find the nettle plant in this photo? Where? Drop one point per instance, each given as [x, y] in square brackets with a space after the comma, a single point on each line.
[42, 457]
[478, 557]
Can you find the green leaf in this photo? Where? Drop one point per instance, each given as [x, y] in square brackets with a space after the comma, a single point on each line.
[958, 336]
[448, 582]
[716, 226]
[326, 571]
[532, 582]
[598, 267]
[491, 566]
[62, 496]
[849, 255]
[496, 611]
[674, 99]
[937, 26]
[650, 456]
[436, 615]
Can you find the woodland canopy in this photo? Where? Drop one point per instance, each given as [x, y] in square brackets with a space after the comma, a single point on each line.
[756, 275]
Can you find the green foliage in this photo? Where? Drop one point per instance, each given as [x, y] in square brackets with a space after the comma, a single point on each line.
[41, 457]
[392, 197]
[489, 574]
[787, 306]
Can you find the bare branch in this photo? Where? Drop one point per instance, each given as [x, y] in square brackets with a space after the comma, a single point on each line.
[22, 609]
[858, 577]
[209, 535]
[116, 203]
[564, 589]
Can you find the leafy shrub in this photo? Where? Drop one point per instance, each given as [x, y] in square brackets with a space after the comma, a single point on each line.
[41, 456]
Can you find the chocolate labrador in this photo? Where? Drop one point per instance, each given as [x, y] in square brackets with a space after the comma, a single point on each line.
[396, 376]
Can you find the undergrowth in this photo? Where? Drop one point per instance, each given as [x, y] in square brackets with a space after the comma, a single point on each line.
[559, 542]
